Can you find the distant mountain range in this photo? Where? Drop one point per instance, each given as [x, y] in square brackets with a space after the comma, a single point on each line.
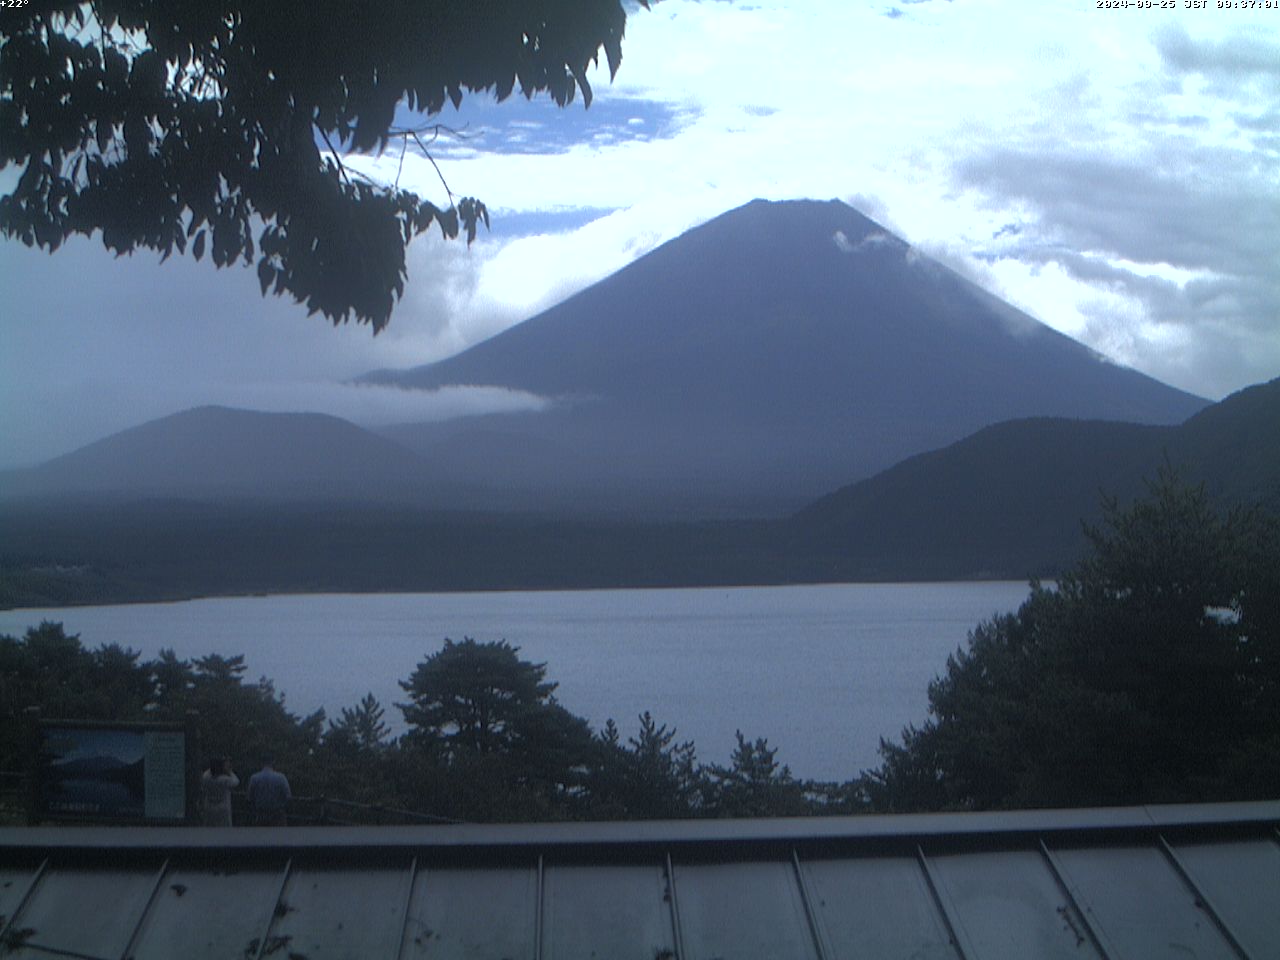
[1006, 502]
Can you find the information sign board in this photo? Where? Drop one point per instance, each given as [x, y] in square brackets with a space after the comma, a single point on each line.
[111, 772]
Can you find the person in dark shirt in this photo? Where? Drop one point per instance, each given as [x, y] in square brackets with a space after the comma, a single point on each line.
[269, 796]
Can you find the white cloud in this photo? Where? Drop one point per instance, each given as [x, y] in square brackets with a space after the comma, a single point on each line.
[875, 239]
[379, 405]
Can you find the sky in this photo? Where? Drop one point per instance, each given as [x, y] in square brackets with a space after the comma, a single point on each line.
[1114, 173]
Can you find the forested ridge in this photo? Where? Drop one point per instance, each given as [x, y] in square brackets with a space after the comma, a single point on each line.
[1149, 673]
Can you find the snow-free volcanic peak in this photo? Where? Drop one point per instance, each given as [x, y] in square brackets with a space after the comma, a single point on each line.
[761, 359]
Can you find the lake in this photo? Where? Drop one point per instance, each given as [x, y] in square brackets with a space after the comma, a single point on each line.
[822, 671]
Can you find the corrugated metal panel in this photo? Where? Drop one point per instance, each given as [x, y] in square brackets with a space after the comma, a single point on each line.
[1242, 880]
[340, 914]
[208, 912]
[87, 912]
[1141, 905]
[1007, 904]
[743, 911]
[462, 914]
[613, 912]
[877, 907]
[14, 883]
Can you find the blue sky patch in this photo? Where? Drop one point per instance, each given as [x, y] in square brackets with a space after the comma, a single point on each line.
[509, 224]
[538, 126]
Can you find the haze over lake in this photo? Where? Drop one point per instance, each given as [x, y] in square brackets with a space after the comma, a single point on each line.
[821, 671]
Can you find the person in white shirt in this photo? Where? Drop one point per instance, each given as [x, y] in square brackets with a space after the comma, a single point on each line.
[216, 785]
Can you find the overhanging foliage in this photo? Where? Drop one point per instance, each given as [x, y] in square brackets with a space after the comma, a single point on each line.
[186, 124]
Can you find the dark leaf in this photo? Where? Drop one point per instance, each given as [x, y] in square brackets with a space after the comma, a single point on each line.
[200, 118]
[448, 221]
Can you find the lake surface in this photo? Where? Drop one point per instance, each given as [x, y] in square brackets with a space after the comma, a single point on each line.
[822, 671]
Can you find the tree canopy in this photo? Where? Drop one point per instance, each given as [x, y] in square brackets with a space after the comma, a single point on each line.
[198, 124]
[1151, 673]
[486, 739]
[52, 671]
[476, 698]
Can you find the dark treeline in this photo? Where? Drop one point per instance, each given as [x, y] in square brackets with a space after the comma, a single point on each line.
[1151, 673]
[486, 738]
[71, 552]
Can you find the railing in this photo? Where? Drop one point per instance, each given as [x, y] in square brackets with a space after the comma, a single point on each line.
[13, 798]
[333, 811]
[330, 811]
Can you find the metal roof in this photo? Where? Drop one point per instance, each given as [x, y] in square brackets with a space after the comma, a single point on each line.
[1145, 882]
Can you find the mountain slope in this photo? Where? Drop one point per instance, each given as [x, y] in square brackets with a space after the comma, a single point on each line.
[1235, 446]
[216, 452]
[1008, 500]
[771, 354]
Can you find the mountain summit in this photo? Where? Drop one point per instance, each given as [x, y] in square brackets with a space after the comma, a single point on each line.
[759, 360]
